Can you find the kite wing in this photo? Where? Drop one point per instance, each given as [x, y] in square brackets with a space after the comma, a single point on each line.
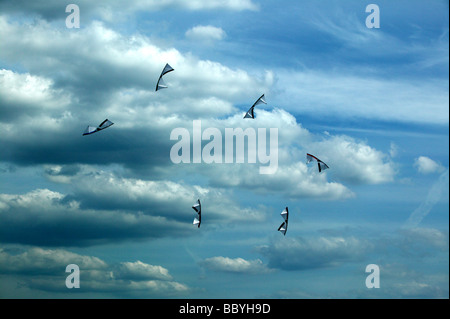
[160, 84]
[198, 208]
[251, 112]
[90, 130]
[105, 124]
[285, 214]
[283, 227]
[321, 165]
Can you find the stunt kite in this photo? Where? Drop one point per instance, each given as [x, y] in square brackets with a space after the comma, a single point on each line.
[198, 208]
[251, 112]
[283, 227]
[322, 166]
[160, 84]
[92, 129]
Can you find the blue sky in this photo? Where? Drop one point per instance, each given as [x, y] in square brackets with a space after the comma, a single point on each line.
[371, 103]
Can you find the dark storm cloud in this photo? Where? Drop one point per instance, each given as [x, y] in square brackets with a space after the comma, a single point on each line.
[43, 218]
[137, 149]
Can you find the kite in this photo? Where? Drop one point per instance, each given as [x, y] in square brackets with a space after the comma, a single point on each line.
[198, 208]
[160, 84]
[92, 129]
[322, 166]
[251, 113]
[283, 227]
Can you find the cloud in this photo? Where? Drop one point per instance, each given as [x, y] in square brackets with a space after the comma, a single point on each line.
[25, 218]
[350, 160]
[46, 261]
[30, 95]
[302, 254]
[114, 10]
[421, 239]
[116, 81]
[44, 269]
[354, 161]
[140, 271]
[235, 265]
[106, 190]
[433, 197]
[205, 33]
[102, 207]
[110, 75]
[353, 96]
[426, 165]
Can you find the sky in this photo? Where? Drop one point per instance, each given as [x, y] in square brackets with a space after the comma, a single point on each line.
[372, 103]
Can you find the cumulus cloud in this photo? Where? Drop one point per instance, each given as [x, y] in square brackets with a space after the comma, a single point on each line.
[44, 269]
[30, 95]
[99, 189]
[354, 160]
[104, 207]
[235, 265]
[46, 261]
[351, 160]
[110, 75]
[140, 271]
[205, 33]
[426, 165]
[302, 254]
[44, 217]
[207, 89]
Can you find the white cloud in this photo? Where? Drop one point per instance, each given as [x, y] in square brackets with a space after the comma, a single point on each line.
[426, 165]
[354, 160]
[141, 271]
[235, 265]
[116, 72]
[42, 268]
[301, 253]
[29, 90]
[164, 198]
[39, 260]
[350, 160]
[205, 33]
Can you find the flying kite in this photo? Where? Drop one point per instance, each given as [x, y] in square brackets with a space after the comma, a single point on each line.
[160, 84]
[251, 112]
[283, 227]
[322, 166]
[92, 129]
[198, 208]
